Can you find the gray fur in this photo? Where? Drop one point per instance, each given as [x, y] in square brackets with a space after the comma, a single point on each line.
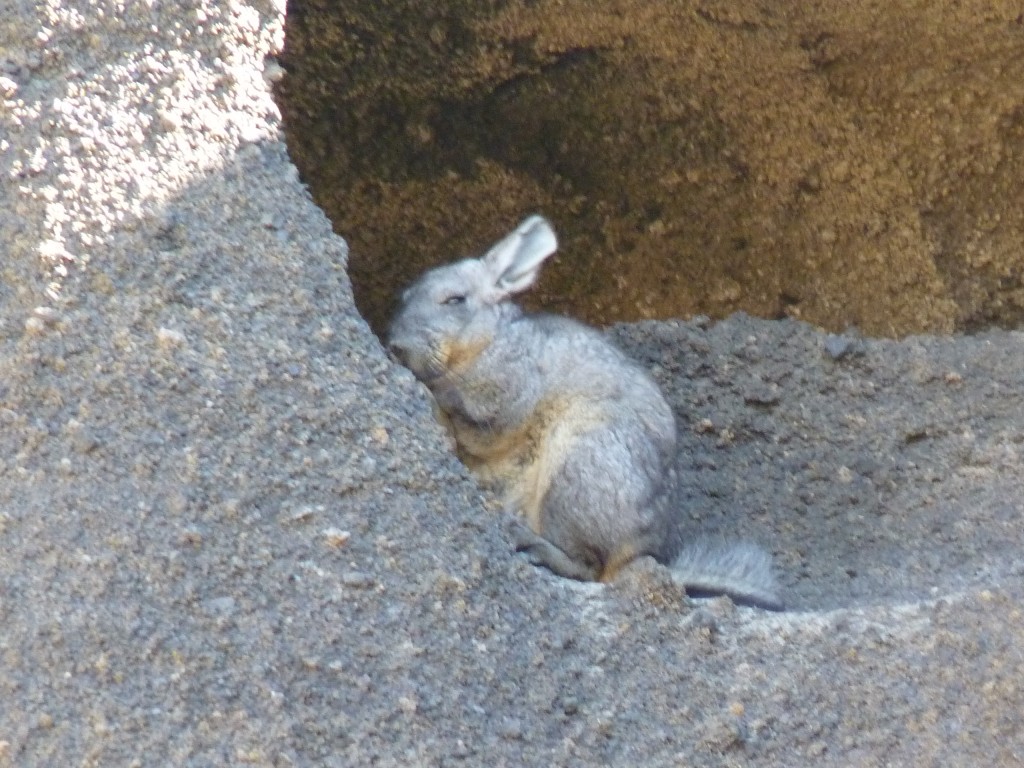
[576, 435]
[742, 569]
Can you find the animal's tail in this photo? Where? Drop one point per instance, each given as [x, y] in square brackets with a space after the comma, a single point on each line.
[742, 571]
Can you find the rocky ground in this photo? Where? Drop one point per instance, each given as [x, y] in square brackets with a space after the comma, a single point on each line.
[232, 534]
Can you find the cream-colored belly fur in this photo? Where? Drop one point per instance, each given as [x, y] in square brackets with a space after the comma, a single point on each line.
[521, 463]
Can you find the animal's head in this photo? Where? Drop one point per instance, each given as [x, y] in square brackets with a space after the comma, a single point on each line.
[452, 313]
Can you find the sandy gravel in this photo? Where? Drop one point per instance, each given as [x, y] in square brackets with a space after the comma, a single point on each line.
[232, 534]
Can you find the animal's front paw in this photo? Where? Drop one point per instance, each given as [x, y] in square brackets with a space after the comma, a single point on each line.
[528, 542]
[541, 552]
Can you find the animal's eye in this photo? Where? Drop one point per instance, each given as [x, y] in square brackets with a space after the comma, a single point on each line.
[453, 300]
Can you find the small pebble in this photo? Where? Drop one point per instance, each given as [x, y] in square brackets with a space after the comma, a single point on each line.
[35, 326]
[84, 441]
[300, 515]
[357, 579]
[168, 338]
[762, 394]
[221, 606]
[335, 538]
[48, 315]
[510, 729]
[837, 347]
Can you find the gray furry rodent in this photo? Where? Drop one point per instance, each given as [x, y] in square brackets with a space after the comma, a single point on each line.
[575, 434]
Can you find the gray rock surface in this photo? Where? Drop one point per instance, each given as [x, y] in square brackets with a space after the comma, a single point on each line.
[232, 534]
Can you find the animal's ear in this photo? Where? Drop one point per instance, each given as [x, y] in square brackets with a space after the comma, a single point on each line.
[513, 263]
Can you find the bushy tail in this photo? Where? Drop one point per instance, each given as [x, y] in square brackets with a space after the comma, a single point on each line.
[742, 571]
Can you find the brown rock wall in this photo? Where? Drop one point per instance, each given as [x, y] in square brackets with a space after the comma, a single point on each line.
[847, 164]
